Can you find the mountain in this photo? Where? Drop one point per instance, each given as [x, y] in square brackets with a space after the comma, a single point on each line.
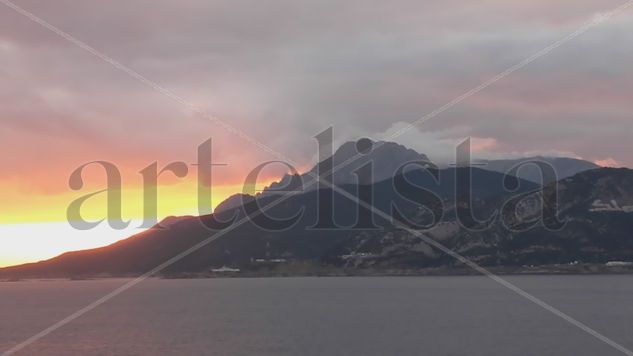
[389, 157]
[594, 224]
[596, 208]
[248, 242]
[563, 167]
[386, 157]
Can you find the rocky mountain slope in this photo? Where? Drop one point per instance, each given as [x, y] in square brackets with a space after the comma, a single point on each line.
[586, 218]
[241, 245]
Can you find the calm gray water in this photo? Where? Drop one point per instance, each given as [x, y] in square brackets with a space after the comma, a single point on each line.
[321, 316]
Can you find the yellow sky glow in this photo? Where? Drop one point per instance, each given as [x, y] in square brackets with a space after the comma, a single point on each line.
[33, 227]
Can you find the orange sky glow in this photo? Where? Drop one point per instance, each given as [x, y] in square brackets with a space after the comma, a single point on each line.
[278, 73]
[34, 225]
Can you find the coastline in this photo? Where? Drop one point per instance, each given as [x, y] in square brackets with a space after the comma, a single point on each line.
[326, 271]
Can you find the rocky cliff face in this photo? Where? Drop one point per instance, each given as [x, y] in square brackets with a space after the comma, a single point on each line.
[587, 218]
[386, 159]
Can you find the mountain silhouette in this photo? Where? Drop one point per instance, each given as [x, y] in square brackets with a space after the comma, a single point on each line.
[563, 167]
[594, 208]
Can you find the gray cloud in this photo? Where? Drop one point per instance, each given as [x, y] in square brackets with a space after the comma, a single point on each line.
[282, 71]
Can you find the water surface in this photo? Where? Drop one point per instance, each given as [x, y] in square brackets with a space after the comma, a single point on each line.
[317, 316]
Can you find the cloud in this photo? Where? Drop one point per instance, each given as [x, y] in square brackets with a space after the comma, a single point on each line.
[608, 162]
[282, 71]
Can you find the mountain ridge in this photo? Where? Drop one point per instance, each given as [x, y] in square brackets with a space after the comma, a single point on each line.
[595, 201]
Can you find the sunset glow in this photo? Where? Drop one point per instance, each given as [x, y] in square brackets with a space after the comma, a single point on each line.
[270, 85]
[35, 225]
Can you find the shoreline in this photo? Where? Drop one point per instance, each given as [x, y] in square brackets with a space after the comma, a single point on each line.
[545, 270]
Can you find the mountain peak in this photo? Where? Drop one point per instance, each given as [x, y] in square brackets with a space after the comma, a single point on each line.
[377, 150]
[387, 158]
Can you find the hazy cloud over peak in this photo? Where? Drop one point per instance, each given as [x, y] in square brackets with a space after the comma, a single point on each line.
[282, 71]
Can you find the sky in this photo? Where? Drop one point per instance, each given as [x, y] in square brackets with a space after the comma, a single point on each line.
[281, 72]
